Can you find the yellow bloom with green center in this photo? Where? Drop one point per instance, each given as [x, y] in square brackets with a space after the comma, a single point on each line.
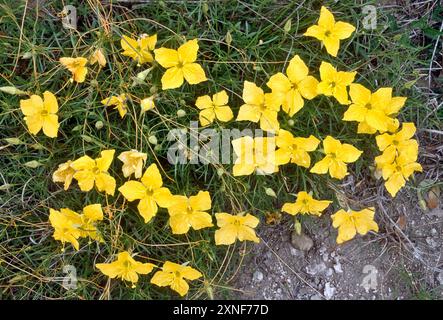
[306, 204]
[149, 191]
[90, 172]
[64, 173]
[185, 213]
[119, 102]
[174, 275]
[259, 107]
[390, 108]
[125, 268]
[398, 171]
[294, 149]
[77, 66]
[330, 32]
[90, 216]
[368, 107]
[233, 227]
[66, 225]
[336, 158]
[41, 114]
[334, 83]
[133, 162]
[351, 222]
[254, 155]
[291, 89]
[180, 65]
[140, 50]
[215, 108]
[400, 142]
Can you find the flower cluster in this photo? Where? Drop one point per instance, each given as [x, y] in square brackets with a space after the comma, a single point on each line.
[287, 92]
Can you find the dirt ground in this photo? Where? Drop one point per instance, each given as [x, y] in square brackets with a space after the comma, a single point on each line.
[403, 261]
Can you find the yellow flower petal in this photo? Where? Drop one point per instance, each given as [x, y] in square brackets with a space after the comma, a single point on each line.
[172, 78]
[194, 73]
[187, 52]
[167, 58]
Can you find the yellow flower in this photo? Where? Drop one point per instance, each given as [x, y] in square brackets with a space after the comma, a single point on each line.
[149, 191]
[397, 172]
[294, 149]
[91, 214]
[64, 174]
[368, 107]
[173, 275]
[139, 50]
[119, 102]
[259, 107]
[90, 172]
[291, 89]
[214, 108]
[330, 32]
[256, 154]
[190, 212]
[180, 64]
[306, 204]
[77, 66]
[41, 113]
[99, 57]
[133, 162]
[390, 108]
[337, 156]
[65, 223]
[125, 268]
[350, 222]
[147, 104]
[334, 83]
[233, 227]
[400, 141]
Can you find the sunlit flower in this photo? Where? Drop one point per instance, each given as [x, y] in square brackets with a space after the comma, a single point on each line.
[217, 107]
[66, 226]
[368, 107]
[233, 227]
[119, 103]
[64, 174]
[149, 191]
[139, 50]
[254, 154]
[337, 156]
[398, 171]
[133, 162]
[77, 66]
[41, 114]
[180, 64]
[401, 141]
[294, 149]
[186, 212]
[306, 204]
[99, 57]
[330, 32]
[90, 172]
[125, 268]
[350, 222]
[334, 83]
[91, 214]
[173, 275]
[259, 107]
[291, 89]
[147, 104]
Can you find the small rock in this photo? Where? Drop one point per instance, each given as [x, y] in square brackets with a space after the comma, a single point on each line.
[316, 297]
[431, 242]
[337, 267]
[301, 241]
[329, 272]
[329, 291]
[434, 232]
[315, 268]
[440, 278]
[258, 276]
